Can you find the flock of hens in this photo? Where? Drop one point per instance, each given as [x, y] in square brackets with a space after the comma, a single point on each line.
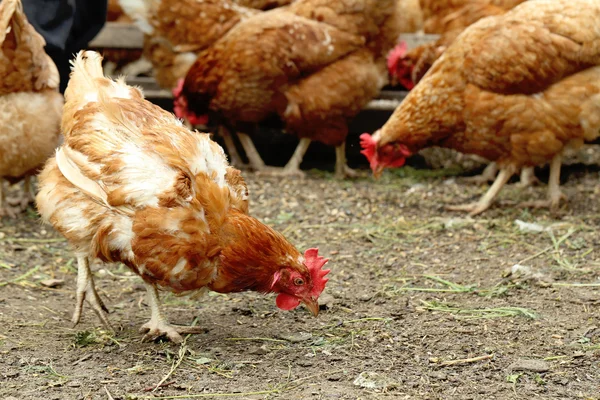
[516, 82]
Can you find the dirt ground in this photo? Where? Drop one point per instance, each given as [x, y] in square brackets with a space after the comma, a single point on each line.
[422, 303]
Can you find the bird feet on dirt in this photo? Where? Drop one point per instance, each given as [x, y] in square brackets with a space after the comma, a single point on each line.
[90, 294]
[528, 178]
[345, 172]
[488, 175]
[471, 208]
[20, 203]
[156, 328]
[552, 203]
[86, 290]
[281, 172]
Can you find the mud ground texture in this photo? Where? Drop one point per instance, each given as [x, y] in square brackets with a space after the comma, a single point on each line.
[422, 303]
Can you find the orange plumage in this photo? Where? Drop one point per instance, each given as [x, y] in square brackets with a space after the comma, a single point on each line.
[132, 184]
[516, 89]
[314, 64]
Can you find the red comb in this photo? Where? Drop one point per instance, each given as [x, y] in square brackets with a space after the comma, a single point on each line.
[395, 54]
[178, 88]
[314, 263]
[369, 146]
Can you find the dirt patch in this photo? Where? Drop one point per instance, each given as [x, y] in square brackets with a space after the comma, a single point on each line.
[424, 304]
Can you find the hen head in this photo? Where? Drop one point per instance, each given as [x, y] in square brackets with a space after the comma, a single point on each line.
[399, 66]
[295, 287]
[390, 155]
[181, 108]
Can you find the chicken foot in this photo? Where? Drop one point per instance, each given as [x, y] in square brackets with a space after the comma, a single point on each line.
[13, 206]
[256, 161]
[25, 199]
[528, 177]
[342, 170]
[555, 195]
[158, 325]
[488, 175]
[86, 290]
[486, 201]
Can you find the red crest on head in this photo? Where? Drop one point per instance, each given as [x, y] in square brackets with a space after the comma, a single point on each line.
[369, 148]
[314, 263]
[396, 54]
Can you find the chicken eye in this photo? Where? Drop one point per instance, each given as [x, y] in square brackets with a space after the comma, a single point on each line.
[298, 281]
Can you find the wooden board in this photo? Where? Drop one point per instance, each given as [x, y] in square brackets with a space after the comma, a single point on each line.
[118, 35]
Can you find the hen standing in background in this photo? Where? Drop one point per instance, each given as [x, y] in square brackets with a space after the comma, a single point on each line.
[132, 185]
[448, 18]
[30, 104]
[314, 64]
[176, 31]
[517, 88]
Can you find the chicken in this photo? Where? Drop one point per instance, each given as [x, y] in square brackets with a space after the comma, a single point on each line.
[314, 64]
[30, 104]
[449, 19]
[176, 31]
[517, 89]
[131, 184]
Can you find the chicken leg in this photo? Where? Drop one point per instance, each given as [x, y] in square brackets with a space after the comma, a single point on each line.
[292, 168]
[256, 162]
[21, 202]
[486, 201]
[87, 290]
[488, 175]
[342, 170]
[555, 195]
[234, 156]
[158, 325]
[528, 177]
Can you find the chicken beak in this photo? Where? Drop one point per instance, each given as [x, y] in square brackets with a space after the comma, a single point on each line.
[313, 305]
[377, 171]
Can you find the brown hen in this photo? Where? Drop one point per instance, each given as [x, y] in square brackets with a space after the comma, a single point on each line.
[131, 184]
[30, 104]
[517, 89]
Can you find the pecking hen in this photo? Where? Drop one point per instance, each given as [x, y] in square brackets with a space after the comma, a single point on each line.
[30, 104]
[131, 184]
[517, 89]
[314, 64]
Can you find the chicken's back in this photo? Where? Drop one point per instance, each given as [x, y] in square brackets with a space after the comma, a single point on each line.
[127, 166]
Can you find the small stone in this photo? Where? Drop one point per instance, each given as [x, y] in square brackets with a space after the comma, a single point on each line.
[296, 337]
[372, 380]
[259, 351]
[529, 365]
[305, 363]
[326, 301]
[74, 384]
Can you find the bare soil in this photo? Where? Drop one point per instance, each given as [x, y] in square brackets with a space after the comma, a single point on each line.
[423, 303]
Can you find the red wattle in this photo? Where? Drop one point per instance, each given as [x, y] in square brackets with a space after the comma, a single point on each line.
[287, 302]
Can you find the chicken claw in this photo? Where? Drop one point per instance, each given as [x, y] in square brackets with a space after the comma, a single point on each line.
[158, 325]
[87, 290]
[154, 329]
[555, 195]
[488, 175]
[342, 170]
[488, 198]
